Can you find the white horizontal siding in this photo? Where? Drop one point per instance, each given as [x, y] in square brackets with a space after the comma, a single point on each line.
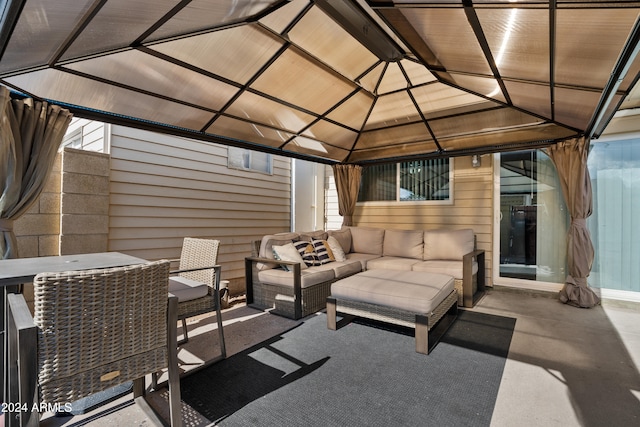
[332, 216]
[165, 188]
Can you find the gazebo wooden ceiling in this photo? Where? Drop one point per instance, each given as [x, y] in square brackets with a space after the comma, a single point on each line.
[332, 80]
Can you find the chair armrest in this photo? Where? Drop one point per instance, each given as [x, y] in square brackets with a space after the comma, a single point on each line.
[217, 272]
[269, 260]
[297, 280]
[217, 267]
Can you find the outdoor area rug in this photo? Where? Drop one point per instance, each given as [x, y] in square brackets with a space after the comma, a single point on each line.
[363, 374]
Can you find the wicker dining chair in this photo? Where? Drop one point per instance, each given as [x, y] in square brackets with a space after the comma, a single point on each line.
[91, 331]
[196, 283]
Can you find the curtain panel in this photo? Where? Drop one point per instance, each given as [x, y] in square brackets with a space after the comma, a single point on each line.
[570, 159]
[30, 135]
[347, 179]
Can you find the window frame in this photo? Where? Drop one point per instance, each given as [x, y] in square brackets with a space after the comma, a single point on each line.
[398, 202]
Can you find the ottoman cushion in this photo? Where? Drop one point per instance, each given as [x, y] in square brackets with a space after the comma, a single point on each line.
[412, 291]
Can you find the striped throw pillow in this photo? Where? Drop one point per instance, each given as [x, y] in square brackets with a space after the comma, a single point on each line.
[306, 251]
[323, 251]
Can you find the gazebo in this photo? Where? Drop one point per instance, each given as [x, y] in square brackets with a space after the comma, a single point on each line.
[347, 83]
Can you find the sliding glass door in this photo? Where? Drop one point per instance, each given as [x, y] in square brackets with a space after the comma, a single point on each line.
[533, 218]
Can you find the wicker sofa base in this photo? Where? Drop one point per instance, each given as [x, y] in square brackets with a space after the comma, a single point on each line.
[281, 299]
[429, 327]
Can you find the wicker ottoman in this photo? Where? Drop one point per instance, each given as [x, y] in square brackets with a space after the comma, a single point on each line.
[427, 302]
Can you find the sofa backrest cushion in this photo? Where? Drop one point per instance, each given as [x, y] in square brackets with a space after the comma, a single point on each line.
[403, 243]
[366, 240]
[266, 247]
[310, 235]
[448, 244]
[343, 236]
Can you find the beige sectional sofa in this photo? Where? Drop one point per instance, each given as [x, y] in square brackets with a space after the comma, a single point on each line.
[303, 289]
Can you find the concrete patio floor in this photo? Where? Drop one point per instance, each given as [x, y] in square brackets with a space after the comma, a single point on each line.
[566, 366]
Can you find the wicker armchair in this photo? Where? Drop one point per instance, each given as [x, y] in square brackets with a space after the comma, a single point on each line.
[196, 283]
[92, 330]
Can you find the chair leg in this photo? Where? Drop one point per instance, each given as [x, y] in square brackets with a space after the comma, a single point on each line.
[184, 332]
[223, 348]
[175, 407]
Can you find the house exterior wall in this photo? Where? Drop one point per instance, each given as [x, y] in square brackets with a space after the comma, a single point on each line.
[164, 188]
[472, 207]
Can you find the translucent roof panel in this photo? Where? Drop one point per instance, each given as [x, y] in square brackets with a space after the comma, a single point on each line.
[282, 18]
[483, 86]
[335, 135]
[519, 41]
[313, 147]
[530, 97]
[319, 35]
[255, 108]
[438, 99]
[333, 80]
[71, 89]
[42, 33]
[149, 73]
[353, 111]
[590, 50]
[391, 110]
[451, 38]
[394, 79]
[293, 77]
[201, 15]
[240, 130]
[394, 135]
[131, 18]
[236, 53]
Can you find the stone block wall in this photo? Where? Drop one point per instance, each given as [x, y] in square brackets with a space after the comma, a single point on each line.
[84, 206]
[71, 216]
[38, 230]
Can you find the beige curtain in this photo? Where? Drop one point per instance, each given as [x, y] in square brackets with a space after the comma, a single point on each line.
[347, 179]
[570, 158]
[30, 135]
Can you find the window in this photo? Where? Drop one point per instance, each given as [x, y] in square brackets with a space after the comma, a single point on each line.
[73, 139]
[420, 180]
[248, 160]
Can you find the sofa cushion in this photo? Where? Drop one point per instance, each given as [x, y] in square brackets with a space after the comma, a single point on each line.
[345, 268]
[266, 247]
[362, 258]
[391, 263]
[310, 235]
[448, 244]
[336, 248]
[403, 290]
[288, 252]
[366, 240]
[451, 268]
[308, 277]
[343, 236]
[403, 243]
